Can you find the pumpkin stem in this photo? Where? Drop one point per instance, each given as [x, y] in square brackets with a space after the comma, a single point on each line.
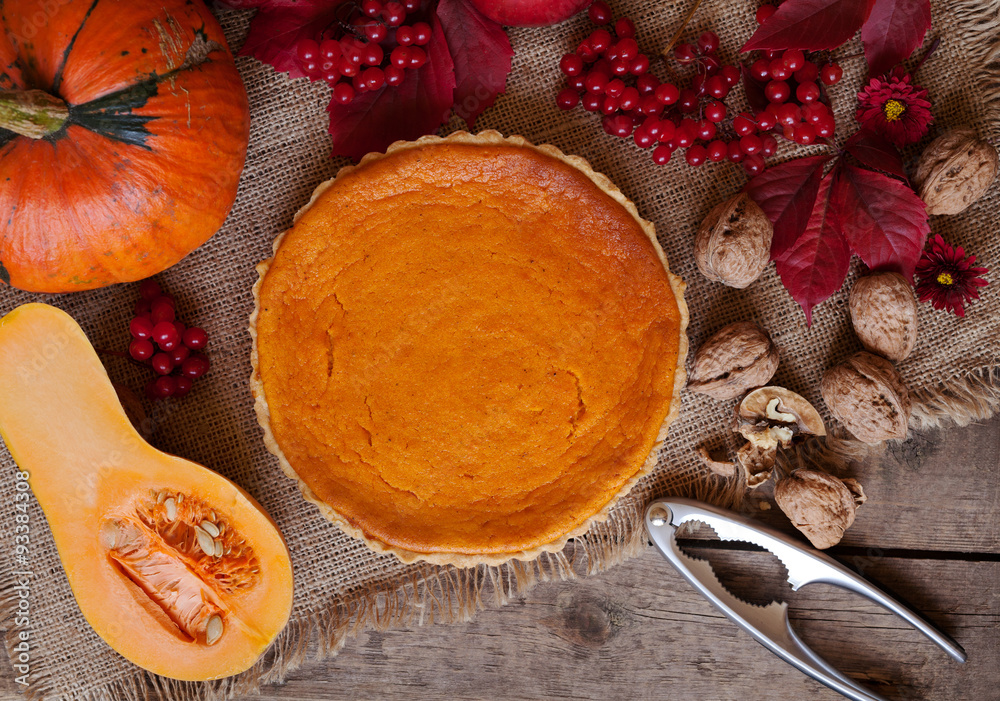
[33, 113]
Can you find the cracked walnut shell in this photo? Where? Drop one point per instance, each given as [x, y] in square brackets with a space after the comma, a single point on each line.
[733, 244]
[821, 506]
[867, 395]
[955, 170]
[735, 358]
[884, 314]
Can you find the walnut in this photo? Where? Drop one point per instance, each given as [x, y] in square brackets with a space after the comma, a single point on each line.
[733, 245]
[819, 505]
[734, 359]
[955, 170]
[868, 396]
[884, 314]
[771, 418]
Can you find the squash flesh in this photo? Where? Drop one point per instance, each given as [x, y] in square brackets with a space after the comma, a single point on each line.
[61, 421]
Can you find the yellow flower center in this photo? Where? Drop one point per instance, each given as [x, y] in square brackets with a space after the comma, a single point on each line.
[893, 110]
[945, 279]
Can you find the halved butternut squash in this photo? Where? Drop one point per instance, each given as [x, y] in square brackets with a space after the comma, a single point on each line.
[176, 567]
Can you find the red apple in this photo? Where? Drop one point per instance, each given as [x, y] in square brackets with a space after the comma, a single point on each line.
[530, 13]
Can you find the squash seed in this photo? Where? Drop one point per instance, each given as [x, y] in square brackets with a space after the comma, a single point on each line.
[213, 630]
[218, 548]
[180, 498]
[161, 496]
[205, 541]
[210, 528]
[109, 534]
[171, 508]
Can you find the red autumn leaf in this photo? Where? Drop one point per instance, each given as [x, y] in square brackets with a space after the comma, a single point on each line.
[810, 25]
[816, 265]
[884, 220]
[754, 89]
[895, 28]
[481, 52]
[875, 151]
[417, 106]
[279, 25]
[787, 193]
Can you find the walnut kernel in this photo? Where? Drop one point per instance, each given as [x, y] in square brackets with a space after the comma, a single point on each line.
[819, 505]
[733, 244]
[734, 359]
[868, 396]
[884, 314]
[955, 170]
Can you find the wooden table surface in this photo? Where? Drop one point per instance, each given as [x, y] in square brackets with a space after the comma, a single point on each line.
[930, 532]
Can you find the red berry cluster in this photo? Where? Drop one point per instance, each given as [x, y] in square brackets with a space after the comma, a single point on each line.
[369, 46]
[609, 74]
[164, 343]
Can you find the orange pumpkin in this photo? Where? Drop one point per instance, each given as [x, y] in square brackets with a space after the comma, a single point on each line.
[123, 132]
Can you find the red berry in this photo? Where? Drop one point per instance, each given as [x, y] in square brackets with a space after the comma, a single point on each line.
[754, 165]
[161, 387]
[610, 104]
[620, 66]
[614, 88]
[743, 124]
[374, 78]
[708, 42]
[359, 83]
[652, 125]
[771, 54]
[160, 310]
[711, 65]
[717, 87]
[421, 33]
[140, 327]
[825, 126]
[761, 69]
[195, 338]
[716, 151]
[376, 32]
[393, 13]
[764, 12]
[393, 75]
[715, 112]
[667, 94]
[705, 130]
[162, 364]
[330, 50]
[619, 125]
[628, 49]
[805, 134]
[643, 139]
[165, 333]
[596, 82]
[809, 73]
[640, 65]
[599, 12]
[149, 289]
[592, 101]
[789, 114]
[571, 64]
[779, 71]
[793, 59]
[649, 106]
[777, 91]
[731, 74]
[685, 134]
[195, 366]
[418, 57]
[567, 98]
[586, 52]
[400, 57]
[373, 55]
[661, 154]
[307, 50]
[766, 121]
[734, 153]
[179, 354]
[688, 101]
[411, 5]
[625, 28]
[696, 155]
[343, 93]
[600, 40]
[768, 145]
[182, 385]
[685, 53]
[751, 143]
[813, 112]
[346, 68]
[831, 73]
[141, 349]
[372, 8]
[647, 83]
[629, 99]
[807, 92]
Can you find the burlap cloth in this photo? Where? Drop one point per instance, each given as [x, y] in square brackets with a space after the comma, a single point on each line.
[340, 586]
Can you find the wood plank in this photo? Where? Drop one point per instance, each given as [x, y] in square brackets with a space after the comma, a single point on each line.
[639, 631]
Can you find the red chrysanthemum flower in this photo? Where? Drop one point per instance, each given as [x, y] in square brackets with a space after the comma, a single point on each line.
[896, 109]
[946, 278]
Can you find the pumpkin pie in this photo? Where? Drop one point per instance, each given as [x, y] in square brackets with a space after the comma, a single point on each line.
[467, 349]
